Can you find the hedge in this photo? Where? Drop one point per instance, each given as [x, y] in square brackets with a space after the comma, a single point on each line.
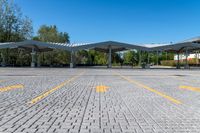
[182, 62]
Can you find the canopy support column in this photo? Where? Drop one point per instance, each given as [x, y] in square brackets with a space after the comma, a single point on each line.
[110, 57]
[186, 59]
[72, 60]
[178, 61]
[157, 57]
[33, 54]
[148, 60]
[139, 60]
[38, 60]
[3, 63]
[197, 58]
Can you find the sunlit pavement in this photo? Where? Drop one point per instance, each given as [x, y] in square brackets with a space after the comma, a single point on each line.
[63, 100]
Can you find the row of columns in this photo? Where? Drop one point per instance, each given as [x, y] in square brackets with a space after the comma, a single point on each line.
[33, 59]
[72, 63]
[148, 60]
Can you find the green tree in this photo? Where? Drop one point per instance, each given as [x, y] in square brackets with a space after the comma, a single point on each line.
[55, 57]
[51, 34]
[13, 25]
[131, 57]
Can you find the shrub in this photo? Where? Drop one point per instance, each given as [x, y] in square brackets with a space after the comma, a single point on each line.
[182, 62]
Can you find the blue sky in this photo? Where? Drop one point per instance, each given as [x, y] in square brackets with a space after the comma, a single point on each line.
[131, 21]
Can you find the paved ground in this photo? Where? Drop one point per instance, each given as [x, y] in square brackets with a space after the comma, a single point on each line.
[99, 100]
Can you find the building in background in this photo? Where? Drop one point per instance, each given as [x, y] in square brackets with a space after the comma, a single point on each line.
[190, 56]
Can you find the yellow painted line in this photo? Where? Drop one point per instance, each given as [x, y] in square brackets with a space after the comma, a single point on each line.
[190, 88]
[151, 89]
[7, 88]
[101, 88]
[40, 97]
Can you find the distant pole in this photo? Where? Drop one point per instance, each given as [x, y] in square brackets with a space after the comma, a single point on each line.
[157, 57]
[186, 60]
[109, 56]
[38, 60]
[3, 63]
[178, 62]
[33, 54]
[71, 61]
[139, 60]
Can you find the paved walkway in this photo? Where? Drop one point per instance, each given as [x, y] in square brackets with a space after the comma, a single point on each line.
[99, 100]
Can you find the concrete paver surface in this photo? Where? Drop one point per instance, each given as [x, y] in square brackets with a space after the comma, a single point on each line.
[61, 100]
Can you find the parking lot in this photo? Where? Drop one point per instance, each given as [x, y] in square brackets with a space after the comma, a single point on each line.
[61, 100]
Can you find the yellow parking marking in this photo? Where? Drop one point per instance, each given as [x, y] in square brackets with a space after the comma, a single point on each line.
[101, 88]
[190, 88]
[7, 88]
[40, 97]
[151, 89]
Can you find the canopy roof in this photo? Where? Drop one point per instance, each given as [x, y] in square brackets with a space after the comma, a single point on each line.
[104, 46]
[194, 40]
[37, 45]
[190, 44]
[177, 47]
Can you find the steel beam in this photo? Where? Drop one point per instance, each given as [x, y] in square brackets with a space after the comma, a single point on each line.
[110, 57]
[33, 60]
[178, 61]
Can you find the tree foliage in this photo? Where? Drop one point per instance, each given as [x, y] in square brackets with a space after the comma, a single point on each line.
[51, 34]
[91, 57]
[55, 57]
[13, 25]
[131, 57]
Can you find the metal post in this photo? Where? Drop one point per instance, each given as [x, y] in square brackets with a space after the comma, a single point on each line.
[110, 57]
[196, 57]
[139, 60]
[186, 59]
[71, 62]
[157, 58]
[3, 63]
[38, 60]
[178, 62]
[33, 53]
[148, 60]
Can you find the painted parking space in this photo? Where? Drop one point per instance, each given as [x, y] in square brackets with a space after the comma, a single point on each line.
[40, 97]
[101, 88]
[150, 89]
[68, 100]
[11, 87]
[190, 88]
